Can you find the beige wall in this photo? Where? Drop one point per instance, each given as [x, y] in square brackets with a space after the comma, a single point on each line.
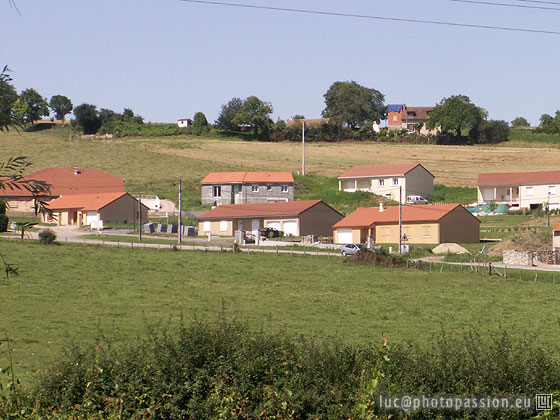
[417, 233]
[418, 182]
[459, 226]
[319, 220]
[356, 236]
[215, 228]
[281, 221]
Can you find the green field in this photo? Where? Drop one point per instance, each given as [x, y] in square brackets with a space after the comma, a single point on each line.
[70, 292]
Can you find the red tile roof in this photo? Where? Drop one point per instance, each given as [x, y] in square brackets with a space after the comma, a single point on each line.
[248, 177]
[556, 226]
[367, 216]
[92, 202]
[281, 208]
[519, 178]
[64, 181]
[381, 170]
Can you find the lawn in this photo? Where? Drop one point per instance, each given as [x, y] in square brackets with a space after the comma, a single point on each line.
[118, 290]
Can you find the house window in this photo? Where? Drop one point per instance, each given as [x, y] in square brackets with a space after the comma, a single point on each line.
[255, 188]
[529, 190]
[216, 191]
[269, 188]
[284, 188]
[381, 182]
[223, 226]
[238, 188]
[395, 181]
[207, 226]
[394, 118]
[552, 190]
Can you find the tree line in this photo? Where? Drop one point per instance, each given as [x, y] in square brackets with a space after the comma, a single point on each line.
[351, 113]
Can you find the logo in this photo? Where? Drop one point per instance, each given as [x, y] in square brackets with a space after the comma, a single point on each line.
[543, 402]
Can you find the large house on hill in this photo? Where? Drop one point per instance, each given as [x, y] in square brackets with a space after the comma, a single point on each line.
[220, 188]
[61, 181]
[389, 180]
[401, 117]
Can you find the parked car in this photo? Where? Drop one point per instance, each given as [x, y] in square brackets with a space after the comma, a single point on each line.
[269, 232]
[351, 249]
[416, 199]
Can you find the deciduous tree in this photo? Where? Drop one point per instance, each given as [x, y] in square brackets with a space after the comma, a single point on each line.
[87, 118]
[61, 106]
[455, 115]
[8, 98]
[255, 114]
[33, 105]
[520, 122]
[348, 103]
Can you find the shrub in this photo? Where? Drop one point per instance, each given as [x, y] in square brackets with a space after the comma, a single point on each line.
[47, 237]
[377, 257]
[4, 222]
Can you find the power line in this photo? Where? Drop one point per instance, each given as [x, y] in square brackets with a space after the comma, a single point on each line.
[372, 17]
[539, 2]
[490, 3]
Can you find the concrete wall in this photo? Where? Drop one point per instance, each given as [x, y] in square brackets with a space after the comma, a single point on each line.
[528, 258]
[230, 194]
[459, 226]
[318, 220]
[418, 182]
[123, 210]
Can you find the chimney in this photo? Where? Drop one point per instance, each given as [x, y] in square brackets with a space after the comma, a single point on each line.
[76, 170]
[381, 209]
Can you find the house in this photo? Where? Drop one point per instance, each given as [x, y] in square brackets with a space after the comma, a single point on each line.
[61, 181]
[88, 209]
[297, 218]
[184, 122]
[421, 224]
[246, 187]
[522, 190]
[387, 180]
[402, 117]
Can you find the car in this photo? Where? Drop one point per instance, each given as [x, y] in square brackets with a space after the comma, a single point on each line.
[269, 232]
[416, 199]
[351, 249]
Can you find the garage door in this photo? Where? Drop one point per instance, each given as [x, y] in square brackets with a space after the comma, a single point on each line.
[274, 225]
[344, 236]
[291, 228]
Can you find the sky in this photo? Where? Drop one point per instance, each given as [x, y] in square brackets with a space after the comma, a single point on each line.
[167, 59]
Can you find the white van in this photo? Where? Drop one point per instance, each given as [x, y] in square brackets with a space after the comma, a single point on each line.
[416, 199]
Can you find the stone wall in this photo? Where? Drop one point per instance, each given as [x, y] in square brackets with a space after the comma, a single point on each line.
[529, 258]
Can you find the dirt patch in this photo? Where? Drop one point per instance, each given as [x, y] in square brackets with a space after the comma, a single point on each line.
[526, 240]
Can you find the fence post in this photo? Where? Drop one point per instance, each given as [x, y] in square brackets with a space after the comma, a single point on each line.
[536, 275]
[520, 274]
[441, 269]
[276, 250]
[554, 278]
[505, 271]
[291, 252]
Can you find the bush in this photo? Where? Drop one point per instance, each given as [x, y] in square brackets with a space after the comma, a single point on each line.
[4, 223]
[378, 257]
[47, 237]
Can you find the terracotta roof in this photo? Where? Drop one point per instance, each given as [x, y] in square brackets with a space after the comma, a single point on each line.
[381, 170]
[281, 208]
[367, 216]
[247, 177]
[65, 181]
[92, 202]
[556, 226]
[519, 178]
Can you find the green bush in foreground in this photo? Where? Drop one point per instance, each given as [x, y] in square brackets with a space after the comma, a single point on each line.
[47, 237]
[225, 371]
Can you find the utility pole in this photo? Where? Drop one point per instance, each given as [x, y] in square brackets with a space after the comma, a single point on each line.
[548, 209]
[303, 146]
[180, 202]
[140, 218]
[400, 219]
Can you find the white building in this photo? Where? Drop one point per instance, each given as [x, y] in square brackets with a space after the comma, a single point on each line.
[524, 190]
[388, 180]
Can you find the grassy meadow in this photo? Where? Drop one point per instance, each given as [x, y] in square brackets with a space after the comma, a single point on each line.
[117, 291]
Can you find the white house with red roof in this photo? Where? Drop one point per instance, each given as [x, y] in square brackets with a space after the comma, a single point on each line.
[421, 224]
[296, 218]
[523, 190]
[61, 181]
[220, 188]
[389, 180]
